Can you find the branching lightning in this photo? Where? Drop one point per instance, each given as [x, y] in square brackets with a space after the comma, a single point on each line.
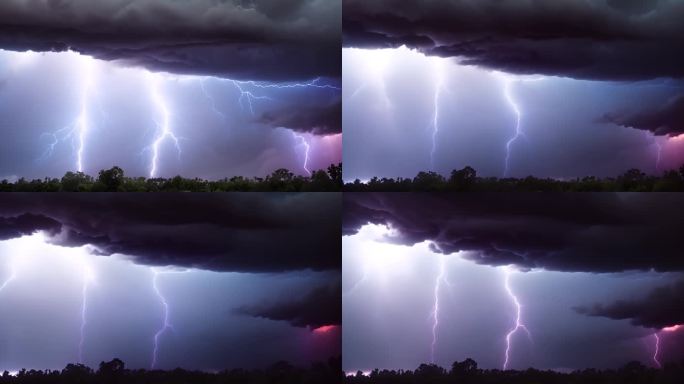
[164, 131]
[518, 319]
[211, 99]
[166, 325]
[307, 150]
[77, 131]
[435, 308]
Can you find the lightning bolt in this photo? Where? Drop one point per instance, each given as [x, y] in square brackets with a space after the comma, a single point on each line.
[656, 337]
[307, 149]
[435, 308]
[77, 131]
[166, 325]
[164, 131]
[435, 121]
[518, 117]
[211, 99]
[657, 349]
[88, 277]
[518, 319]
[11, 277]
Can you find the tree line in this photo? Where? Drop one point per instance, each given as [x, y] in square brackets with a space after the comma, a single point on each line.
[466, 180]
[115, 371]
[114, 180]
[467, 372]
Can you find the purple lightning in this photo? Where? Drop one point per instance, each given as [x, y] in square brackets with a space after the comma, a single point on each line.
[656, 336]
[166, 325]
[87, 279]
[435, 121]
[435, 308]
[518, 319]
[657, 348]
[307, 149]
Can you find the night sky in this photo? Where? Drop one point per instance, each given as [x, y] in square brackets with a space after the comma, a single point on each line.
[248, 279]
[597, 277]
[200, 88]
[439, 85]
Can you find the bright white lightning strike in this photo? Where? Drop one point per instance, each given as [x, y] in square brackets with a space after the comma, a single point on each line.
[435, 118]
[87, 279]
[435, 308]
[518, 319]
[307, 149]
[166, 325]
[164, 131]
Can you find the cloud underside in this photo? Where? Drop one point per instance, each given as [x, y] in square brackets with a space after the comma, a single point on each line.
[660, 308]
[253, 232]
[667, 120]
[318, 308]
[262, 40]
[561, 232]
[598, 40]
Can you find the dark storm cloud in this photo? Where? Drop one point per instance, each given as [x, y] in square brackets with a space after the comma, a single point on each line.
[26, 224]
[256, 40]
[563, 232]
[319, 120]
[598, 39]
[231, 232]
[667, 120]
[318, 308]
[662, 307]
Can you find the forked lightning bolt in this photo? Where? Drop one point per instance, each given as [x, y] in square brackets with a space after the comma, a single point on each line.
[164, 131]
[435, 308]
[166, 325]
[77, 131]
[518, 319]
[307, 149]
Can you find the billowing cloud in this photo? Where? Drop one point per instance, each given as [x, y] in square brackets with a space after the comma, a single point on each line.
[596, 39]
[667, 120]
[26, 224]
[317, 119]
[318, 308]
[252, 232]
[564, 232]
[662, 307]
[238, 39]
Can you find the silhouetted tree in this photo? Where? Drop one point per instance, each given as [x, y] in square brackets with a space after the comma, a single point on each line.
[111, 178]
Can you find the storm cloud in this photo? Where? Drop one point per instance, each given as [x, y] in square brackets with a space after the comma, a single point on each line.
[265, 40]
[26, 224]
[561, 232]
[598, 39]
[316, 119]
[667, 120]
[662, 307]
[234, 232]
[318, 308]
